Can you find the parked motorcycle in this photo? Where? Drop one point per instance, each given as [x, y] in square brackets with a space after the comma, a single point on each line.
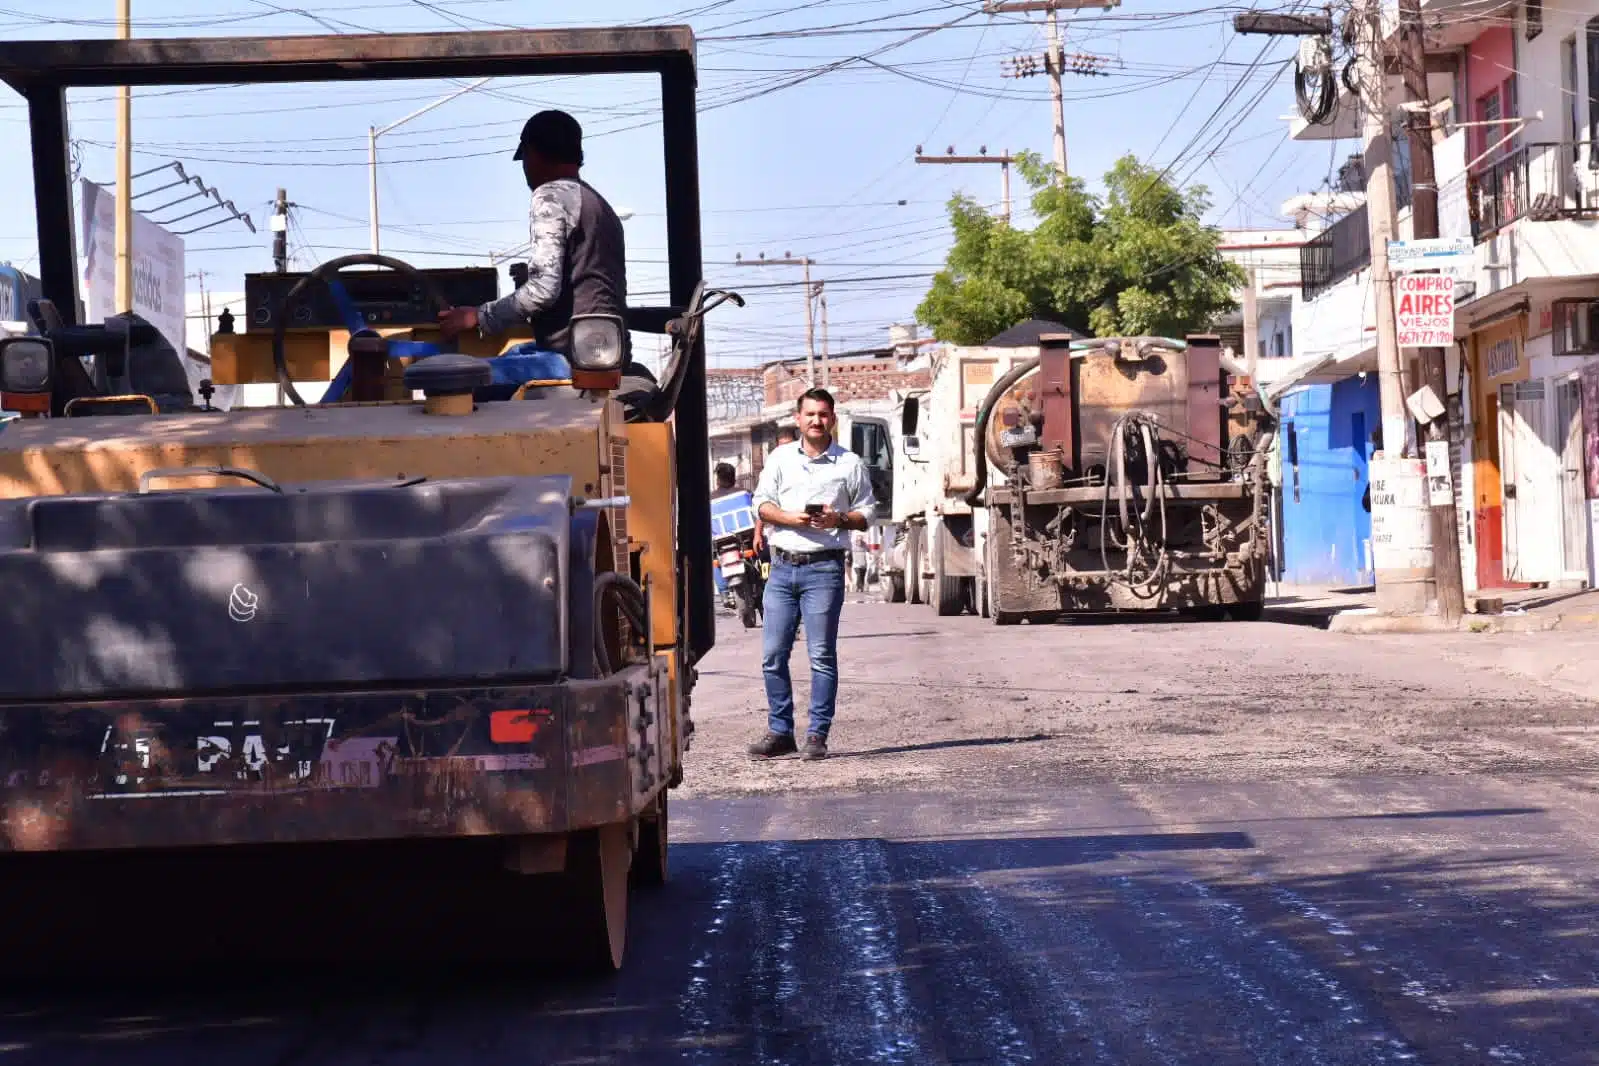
[733, 552]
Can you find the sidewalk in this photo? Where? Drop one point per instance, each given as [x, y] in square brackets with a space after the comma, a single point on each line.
[1353, 610]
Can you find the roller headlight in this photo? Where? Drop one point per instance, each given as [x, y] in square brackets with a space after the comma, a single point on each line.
[597, 343]
[25, 365]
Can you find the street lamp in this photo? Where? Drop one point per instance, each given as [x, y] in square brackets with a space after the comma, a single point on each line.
[374, 132]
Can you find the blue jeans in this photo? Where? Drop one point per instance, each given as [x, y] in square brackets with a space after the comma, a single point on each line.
[814, 592]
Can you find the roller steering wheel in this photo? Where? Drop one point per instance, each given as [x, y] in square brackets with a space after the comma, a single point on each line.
[362, 336]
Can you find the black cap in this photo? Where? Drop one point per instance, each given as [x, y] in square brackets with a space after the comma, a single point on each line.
[555, 135]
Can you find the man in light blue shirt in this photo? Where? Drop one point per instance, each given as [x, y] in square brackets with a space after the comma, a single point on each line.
[811, 494]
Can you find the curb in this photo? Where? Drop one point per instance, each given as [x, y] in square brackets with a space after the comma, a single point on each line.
[1369, 622]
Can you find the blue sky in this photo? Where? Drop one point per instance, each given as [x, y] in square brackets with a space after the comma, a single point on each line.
[805, 146]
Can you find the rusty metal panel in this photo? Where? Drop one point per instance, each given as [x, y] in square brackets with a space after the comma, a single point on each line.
[1204, 404]
[315, 766]
[344, 57]
[1108, 388]
[1054, 399]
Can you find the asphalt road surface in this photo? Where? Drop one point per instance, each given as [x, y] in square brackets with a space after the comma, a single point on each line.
[1120, 844]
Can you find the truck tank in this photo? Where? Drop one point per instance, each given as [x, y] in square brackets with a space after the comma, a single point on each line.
[1134, 480]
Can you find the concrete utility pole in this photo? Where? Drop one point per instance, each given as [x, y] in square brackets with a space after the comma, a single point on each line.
[1004, 162]
[1400, 590]
[1054, 59]
[374, 132]
[124, 239]
[1251, 330]
[810, 318]
[1424, 221]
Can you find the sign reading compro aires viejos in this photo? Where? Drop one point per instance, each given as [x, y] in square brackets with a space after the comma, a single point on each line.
[1424, 305]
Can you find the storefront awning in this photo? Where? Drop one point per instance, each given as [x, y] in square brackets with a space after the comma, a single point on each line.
[1327, 370]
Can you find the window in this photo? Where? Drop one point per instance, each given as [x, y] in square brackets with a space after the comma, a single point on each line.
[1277, 344]
[869, 440]
[1592, 35]
[1576, 327]
[1533, 12]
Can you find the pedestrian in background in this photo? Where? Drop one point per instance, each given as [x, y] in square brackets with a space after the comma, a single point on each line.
[811, 494]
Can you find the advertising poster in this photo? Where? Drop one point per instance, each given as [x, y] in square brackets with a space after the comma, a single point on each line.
[158, 281]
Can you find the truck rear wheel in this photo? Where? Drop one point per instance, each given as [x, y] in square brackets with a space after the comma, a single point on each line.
[990, 580]
[913, 566]
[949, 598]
[597, 862]
[891, 587]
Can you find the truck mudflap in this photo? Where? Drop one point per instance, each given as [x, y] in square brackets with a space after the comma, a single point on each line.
[324, 766]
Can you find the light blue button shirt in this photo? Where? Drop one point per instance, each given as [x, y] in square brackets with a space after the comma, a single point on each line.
[791, 479]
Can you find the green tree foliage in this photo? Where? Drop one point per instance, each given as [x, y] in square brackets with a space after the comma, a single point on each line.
[1137, 261]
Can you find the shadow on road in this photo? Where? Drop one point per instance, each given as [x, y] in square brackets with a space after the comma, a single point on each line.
[1168, 947]
[942, 745]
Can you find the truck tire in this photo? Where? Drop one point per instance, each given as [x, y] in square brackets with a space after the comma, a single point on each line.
[650, 867]
[913, 566]
[948, 596]
[891, 587]
[596, 882]
[991, 570]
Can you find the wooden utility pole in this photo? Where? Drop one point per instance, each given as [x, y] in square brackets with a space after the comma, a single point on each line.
[810, 318]
[1424, 222]
[124, 201]
[821, 299]
[280, 233]
[1004, 162]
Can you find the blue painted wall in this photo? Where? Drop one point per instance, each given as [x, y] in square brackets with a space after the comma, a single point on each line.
[1325, 523]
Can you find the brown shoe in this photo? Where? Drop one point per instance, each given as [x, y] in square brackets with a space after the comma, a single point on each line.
[815, 748]
[774, 744]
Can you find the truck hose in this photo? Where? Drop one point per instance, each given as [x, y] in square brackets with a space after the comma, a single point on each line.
[974, 498]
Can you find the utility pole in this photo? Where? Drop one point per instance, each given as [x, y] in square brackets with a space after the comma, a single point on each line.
[810, 319]
[1251, 330]
[280, 233]
[374, 132]
[1056, 94]
[1004, 162]
[1424, 221]
[821, 299]
[1055, 60]
[124, 238]
[1399, 591]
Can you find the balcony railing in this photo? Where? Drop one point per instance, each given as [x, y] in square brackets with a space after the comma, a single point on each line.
[1543, 181]
[1334, 254]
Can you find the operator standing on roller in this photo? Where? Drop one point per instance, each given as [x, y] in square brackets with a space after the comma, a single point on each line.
[578, 261]
[810, 494]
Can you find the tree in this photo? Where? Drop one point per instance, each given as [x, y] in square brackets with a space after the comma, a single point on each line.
[1137, 261]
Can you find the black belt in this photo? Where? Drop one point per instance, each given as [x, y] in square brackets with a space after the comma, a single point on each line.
[801, 558]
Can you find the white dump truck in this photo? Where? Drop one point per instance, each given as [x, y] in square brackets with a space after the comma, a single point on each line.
[935, 554]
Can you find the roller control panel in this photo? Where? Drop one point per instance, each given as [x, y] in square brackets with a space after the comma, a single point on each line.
[383, 297]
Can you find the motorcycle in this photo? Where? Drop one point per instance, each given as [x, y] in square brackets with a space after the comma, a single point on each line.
[742, 570]
[733, 553]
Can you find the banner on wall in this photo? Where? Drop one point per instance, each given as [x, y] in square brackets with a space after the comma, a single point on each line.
[158, 280]
[1590, 427]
